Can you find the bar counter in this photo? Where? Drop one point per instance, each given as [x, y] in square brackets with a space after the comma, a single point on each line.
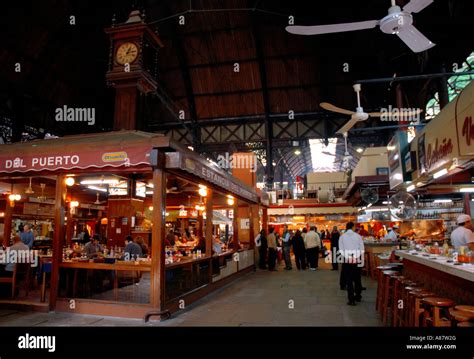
[436, 274]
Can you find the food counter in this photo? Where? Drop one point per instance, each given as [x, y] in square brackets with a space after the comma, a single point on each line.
[373, 248]
[440, 274]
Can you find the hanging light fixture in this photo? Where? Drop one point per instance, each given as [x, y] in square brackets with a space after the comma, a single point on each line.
[69, 181]
[202, 191]
[29, 190]
[230, 200]
[42, 198]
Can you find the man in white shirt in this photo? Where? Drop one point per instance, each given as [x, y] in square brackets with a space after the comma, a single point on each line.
[463, 236]
[351, 248]
[392, 234]
[312, 243]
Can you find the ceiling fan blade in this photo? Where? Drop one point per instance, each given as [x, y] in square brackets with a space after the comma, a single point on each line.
[414, 39]
[416, 5]
[330, 107]
[403, 114]
[327, 29]
[349, 124]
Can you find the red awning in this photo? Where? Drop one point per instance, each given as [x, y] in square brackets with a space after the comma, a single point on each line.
[100, 150]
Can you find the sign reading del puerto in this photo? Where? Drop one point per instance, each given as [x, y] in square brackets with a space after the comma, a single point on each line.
[28, 161]
[33, 163]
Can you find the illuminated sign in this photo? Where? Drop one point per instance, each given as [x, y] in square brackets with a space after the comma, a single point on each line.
[114, 156]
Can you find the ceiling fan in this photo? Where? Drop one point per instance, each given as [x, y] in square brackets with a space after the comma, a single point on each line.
[359, 114]
[397, 22]
[98, 201]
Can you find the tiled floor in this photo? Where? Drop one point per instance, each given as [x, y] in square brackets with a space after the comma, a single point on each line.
[283, 298]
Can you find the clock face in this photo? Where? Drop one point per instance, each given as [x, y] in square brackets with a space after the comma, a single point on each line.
[126, 53]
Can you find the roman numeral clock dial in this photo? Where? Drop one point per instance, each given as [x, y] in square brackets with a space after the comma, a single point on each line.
[126, 53]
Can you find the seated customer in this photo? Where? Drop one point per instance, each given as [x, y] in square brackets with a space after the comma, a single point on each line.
[170, 238]
[140, 241]
[18, 245]
[92, 248]
[27, 236]
[216, 245]
[201, 245]
[132, 250]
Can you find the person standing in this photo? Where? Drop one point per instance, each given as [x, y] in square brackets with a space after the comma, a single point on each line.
[262, 245]
[312, 243]
[272, 249]
[27, 236]
[335, 235]
[286, 246]
[299, 250]
[351, 247]
[392, 234]
[318, 247]
[463, 236]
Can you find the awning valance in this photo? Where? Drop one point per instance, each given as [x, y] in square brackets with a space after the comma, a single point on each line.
[284, 211]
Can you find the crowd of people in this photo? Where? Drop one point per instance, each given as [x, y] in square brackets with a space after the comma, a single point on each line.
[347, 248]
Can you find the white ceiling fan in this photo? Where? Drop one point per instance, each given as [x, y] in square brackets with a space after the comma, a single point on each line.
[359, 114]
[397, 22]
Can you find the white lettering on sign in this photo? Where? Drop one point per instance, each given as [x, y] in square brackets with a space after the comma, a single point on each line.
[42, 162]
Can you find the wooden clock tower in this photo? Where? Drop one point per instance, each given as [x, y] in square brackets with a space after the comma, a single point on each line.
[132, 69]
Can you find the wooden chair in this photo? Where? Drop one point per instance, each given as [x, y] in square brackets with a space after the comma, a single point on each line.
[19, 269]
[435, 308]
[415, 308]
[380, 283]
[461, 314]
[404, 317]
[387, 303]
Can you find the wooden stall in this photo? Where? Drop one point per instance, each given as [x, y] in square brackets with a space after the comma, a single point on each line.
[138, 173]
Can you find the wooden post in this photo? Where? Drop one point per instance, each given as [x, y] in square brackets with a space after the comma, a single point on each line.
[235, 224]
[7, 223]
[59, 212]
[200, 223]
[251, 211]
[158, 236]
[209, 217]
[467, 204]
[69, 226]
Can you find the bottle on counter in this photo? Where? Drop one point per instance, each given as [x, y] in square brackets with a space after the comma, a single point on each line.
[445, 248]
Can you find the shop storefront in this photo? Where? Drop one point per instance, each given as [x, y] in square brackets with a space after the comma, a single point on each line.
[191, 220]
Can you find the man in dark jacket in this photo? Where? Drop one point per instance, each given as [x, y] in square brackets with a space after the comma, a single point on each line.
[299, 251]
[262, 249]
[132, 250]
[335, 235]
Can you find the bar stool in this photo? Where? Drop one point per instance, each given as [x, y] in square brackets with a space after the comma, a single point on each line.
[389, 280]
[466, 324]
[435, 307]
[379, 275]
[459, 315]
[396, 265]
[366, 269]
[415, 308]
[397, 291]
[404, 317]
